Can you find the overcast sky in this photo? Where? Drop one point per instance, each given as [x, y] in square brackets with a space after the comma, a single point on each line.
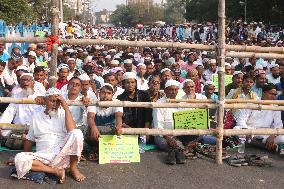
[109, 4]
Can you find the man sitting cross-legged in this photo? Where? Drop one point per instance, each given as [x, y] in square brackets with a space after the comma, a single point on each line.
[58, 143]
[102, 120]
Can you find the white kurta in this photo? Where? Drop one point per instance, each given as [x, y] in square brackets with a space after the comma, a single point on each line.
[54, 145]
[142, 84]
[163, 117]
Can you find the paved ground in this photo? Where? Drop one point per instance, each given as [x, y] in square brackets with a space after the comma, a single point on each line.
[153, 173]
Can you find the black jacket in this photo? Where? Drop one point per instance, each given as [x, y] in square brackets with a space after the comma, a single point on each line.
[136, 117]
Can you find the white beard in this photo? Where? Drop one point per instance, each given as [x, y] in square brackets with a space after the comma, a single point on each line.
[53, 113]
[28, 92]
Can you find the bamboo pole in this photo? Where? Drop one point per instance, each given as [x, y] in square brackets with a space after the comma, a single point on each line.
[202, 105]
[170, 132]
[229, 101]
[180, 132]
[55, 26]
[254, 54]
[243, 48]
[221, 71]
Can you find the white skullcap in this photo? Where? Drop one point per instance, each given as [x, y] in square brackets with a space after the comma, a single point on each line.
[187, 80]
[112, 50]
[60, 49]
[127, 61]
[61, 66]
[237, 73]
[52, 91]
[71, 59]
[165, 69]
[108, 56]
[84, 77]
[274, 66]
[129, 75]
[32, 53]
[258, 67]
[209, 83]
[114, 62]
[22, 68]
[26, 74]
[69, 50]
[213, 61]
[141, 64]
[172, 82]
[227, 64]
[107, 84]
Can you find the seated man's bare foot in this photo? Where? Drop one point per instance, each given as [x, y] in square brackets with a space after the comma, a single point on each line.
[76, 174]
[60, 173]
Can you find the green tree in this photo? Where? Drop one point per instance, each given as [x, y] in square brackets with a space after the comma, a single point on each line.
[175, 11]
[42, 9]
[268, 11]
[13, 11]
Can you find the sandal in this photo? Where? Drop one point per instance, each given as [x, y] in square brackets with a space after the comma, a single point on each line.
[237, 161]
[93, 157]
[257, 160]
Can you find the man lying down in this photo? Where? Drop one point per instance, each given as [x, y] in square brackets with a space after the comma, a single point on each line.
[58, 143]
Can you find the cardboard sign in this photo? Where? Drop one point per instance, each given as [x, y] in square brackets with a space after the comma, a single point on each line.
[228, 80]
[191, 119]
[118, 149]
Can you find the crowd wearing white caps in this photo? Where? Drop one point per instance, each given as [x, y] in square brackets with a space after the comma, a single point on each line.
[181, 73]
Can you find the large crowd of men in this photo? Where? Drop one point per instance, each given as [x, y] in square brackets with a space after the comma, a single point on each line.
[111, 73]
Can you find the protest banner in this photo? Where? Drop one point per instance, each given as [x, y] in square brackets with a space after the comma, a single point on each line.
[228, 80]
[118, 149]
[191, 119]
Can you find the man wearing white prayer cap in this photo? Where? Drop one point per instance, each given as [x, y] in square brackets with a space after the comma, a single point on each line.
[166, 74]
[21, 113]
[30, 61]
[209, 89]
[63, 72]
[163, 119]
[207, 74]
[87, 89]
[274, 76]
[134, 117]
[189, 89]
[58, 143]
[114, 63]
[142, 83]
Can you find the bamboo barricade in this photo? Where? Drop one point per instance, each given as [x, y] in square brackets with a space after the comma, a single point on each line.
[203, 103]
[237, 48]
[221, 52]
[180, 132]
[54, 51]
[220, 48]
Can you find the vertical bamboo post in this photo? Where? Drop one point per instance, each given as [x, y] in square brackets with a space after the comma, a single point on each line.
[55, 25]
[221, 71]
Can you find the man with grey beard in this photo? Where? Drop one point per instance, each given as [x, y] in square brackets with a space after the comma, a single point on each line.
[21, 113]
[58, 143]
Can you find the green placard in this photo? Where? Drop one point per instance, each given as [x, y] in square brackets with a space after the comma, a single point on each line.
[40, 33]
[118, 149]
[191, 119]
[228, 80]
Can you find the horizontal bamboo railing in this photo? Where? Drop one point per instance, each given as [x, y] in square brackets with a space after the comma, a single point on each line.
[243, 48]
[193, 103]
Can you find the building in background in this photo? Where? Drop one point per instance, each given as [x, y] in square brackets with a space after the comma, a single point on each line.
[76, 5]
[131, 2]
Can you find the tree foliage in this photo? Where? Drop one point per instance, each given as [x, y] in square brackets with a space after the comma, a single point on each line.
[136, 14]
[268, 11]
[14, 11]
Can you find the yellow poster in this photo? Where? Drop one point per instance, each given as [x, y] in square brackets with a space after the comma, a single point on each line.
[118, 149]
[191, 119]
[228, 80]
